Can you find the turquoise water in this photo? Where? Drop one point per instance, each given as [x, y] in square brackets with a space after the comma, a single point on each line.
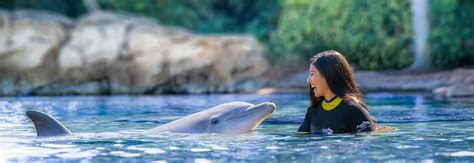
[109, 129]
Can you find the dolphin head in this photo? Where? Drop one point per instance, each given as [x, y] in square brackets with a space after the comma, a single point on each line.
[232, 117]
[238, 117]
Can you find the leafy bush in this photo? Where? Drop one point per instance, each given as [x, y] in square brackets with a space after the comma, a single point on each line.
[371, 34]
[70, 8]
[207, 16]
[452, 33]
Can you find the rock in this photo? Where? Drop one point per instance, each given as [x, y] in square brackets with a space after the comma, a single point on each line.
[141, 55]
[461, 84]
[29, 44]
[96, 43]
[4, 30]
[296, 80]
[144, 62]
[85, 88]
[440, 92]
[27, 37]
[396, 81]
[220, 64]
[112, 53]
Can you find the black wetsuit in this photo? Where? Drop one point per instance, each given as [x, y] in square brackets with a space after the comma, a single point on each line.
[345, 117]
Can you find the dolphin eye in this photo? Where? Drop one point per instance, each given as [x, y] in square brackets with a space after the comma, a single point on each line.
[214, 121]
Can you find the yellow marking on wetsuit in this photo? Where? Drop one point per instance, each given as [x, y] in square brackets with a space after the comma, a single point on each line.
[332, 104]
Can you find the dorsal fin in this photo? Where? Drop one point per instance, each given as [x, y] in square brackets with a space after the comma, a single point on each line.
[46, 125]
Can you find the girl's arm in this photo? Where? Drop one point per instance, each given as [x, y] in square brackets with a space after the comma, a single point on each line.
[305, 125]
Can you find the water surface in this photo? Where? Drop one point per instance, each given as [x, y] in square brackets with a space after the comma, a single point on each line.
[109, 129]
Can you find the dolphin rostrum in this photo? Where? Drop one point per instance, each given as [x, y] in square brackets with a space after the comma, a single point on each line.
[228, 118]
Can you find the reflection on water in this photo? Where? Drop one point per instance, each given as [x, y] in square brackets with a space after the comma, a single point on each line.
[110, 129]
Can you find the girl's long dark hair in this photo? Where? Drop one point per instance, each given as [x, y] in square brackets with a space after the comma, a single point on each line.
[339, 77]
[338, 74]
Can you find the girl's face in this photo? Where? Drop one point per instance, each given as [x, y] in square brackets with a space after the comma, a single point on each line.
[317, 82]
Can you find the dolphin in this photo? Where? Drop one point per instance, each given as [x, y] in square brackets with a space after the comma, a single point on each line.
[46, 125]
[228, 118]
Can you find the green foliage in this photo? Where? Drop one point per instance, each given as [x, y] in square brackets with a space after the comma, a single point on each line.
[371, 34]
[70, 8]
[8, 4]
[207, 16]
[452, 33]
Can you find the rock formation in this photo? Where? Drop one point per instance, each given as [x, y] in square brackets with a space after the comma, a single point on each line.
[114, 53]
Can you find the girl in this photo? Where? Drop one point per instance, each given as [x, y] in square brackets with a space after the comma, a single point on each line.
[336, 104]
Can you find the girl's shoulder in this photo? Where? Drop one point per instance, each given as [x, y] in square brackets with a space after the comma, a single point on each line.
[352, 106]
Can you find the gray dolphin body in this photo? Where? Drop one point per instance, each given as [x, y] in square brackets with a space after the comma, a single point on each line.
[46, 125]
[228, 118]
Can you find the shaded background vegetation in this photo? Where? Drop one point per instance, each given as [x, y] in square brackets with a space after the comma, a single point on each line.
[452, 33]
[372, 34]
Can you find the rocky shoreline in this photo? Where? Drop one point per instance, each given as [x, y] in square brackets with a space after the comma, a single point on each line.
[456, 83]
[109, 53]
